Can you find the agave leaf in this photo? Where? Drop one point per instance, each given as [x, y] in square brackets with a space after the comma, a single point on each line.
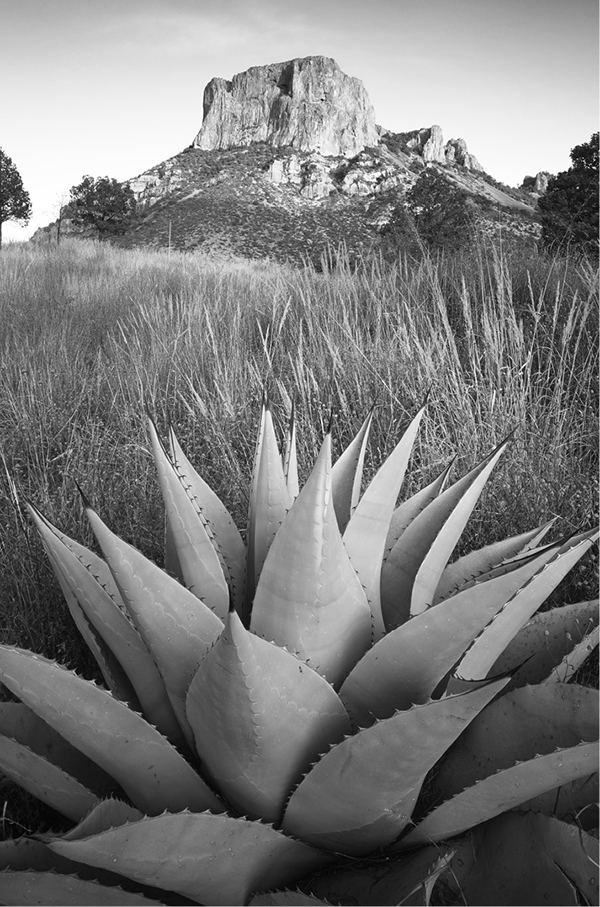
[19, 723]
[224, 533]
[494, 866]
[112, 672]
[260, 717]
[530, 721]
[477, 563]
[106, 814]
[151, 771]
[505, 790]
[172, 565]
[269, 502]
[346, 475]
[575, 852]
[189, 531]
[28, 887]
[379, 882]
[574, 659]
[542, 533]
[89, 580]
[290, 457]
[309, 598]
[44, 780]
[361, 794]
[405, 513]
[412, 571]
[49, 534]
[406, 666]
[486, 650]
[285, 899]
[575, 802]
[544, 641]
[507, 566]
[210, 859]
[27, 853]
[251, 578]
[366, 532]
[177, 627]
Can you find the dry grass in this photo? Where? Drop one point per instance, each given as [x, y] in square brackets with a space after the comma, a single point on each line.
[91, 337]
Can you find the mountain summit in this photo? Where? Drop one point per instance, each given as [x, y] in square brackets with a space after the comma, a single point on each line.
[308, 104]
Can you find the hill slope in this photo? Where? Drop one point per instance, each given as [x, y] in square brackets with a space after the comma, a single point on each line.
[260, 202]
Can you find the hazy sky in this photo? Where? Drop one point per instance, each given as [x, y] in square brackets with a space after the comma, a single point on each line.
[111, 87]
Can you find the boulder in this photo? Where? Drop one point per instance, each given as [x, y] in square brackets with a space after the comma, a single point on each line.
[308, 104]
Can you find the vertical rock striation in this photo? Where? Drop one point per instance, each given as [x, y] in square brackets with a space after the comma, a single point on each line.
[308, 104]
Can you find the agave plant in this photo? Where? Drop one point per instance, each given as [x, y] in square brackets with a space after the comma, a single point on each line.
[330, 713]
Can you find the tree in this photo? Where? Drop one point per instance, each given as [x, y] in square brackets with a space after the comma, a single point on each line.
[103, 203]
[441, 212]
[15, 203]
[399, 235]
[569, 209]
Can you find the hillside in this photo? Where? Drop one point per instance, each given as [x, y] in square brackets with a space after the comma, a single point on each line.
[289, 162]
[259, 202]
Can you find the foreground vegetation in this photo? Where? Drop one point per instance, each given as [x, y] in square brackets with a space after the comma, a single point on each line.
[92, 336]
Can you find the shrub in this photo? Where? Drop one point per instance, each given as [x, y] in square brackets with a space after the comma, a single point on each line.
[569, 209]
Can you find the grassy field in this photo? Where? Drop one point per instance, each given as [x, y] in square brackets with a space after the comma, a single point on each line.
[91, 338]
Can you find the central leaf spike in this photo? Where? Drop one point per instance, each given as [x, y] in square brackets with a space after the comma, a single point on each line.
[309, 598]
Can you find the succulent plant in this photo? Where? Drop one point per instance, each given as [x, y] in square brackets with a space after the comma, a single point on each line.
[329, 713]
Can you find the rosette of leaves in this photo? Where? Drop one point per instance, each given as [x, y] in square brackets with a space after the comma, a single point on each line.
[330, 712]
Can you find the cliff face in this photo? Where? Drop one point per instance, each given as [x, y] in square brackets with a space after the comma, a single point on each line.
[308, 104]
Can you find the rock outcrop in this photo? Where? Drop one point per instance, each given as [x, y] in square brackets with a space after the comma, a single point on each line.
[429, 144]
[456, 152]
[536, 185]
[308, 104]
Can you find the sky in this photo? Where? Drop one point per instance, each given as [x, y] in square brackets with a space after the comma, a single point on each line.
[113, 87]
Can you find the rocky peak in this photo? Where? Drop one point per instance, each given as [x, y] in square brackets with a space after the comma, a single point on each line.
[308, 104]
[455, 152]
[537, 184]
[429, 144]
